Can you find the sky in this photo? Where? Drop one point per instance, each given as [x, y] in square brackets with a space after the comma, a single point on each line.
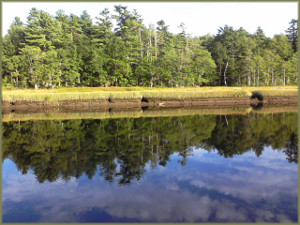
[200, 18]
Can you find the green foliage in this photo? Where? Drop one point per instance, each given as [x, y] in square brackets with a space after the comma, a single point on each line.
[68, 50]
[292, 34]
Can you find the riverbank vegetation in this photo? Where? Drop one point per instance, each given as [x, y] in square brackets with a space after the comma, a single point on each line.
[68, 50]
[138, 93]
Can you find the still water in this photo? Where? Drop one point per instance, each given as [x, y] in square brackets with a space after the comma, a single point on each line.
[204, 168]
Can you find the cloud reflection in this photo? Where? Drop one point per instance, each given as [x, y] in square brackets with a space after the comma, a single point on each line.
[209, 188]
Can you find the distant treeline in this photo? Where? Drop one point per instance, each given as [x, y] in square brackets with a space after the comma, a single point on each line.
[51, 51]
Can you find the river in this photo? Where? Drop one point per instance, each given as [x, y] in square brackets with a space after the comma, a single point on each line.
[192, 168]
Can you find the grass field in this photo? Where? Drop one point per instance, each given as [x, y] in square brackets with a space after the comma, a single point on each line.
[103, 93]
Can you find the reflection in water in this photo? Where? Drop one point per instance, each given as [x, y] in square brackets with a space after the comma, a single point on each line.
[180, 169]
[122, 147]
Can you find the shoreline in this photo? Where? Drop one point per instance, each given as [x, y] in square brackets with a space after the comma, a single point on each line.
[87, 105]
[58, 114]
[137, 97]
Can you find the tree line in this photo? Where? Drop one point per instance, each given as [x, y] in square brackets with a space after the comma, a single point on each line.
[121, 149]
[68, 50]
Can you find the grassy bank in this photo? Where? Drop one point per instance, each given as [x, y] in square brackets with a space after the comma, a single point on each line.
[102, 93]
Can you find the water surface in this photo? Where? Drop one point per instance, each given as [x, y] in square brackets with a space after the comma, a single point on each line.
[234, 168]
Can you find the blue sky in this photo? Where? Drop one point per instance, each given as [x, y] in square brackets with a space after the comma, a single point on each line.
[200, 18]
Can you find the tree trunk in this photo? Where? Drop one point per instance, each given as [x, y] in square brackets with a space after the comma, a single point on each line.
[220, 75]
[200, 79]
[151, 82]
[60, 73]
[17, 79]
[149, 48]
[257, 82]
[249, 79]
[268, 79]
[141, 44]
[155, 43]
[225, 82]
[272, 76]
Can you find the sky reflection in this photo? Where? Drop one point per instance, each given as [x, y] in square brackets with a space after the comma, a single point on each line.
[209, 188]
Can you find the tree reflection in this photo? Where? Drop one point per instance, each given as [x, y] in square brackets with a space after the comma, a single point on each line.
[121, 149]
[291, 148]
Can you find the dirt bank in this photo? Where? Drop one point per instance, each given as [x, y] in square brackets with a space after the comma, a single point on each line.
[87, 105]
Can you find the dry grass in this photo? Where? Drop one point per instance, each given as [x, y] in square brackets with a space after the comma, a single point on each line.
[103, 93]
